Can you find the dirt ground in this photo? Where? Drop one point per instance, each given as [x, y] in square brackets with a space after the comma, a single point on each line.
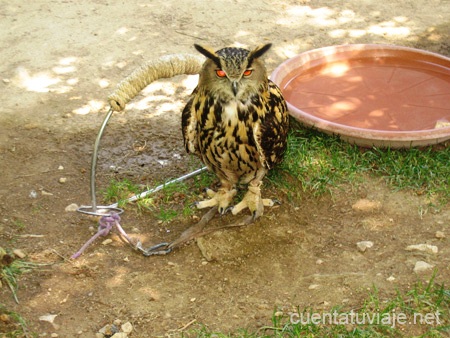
[60, 60]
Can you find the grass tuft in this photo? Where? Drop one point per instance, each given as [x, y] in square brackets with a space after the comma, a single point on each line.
[11, 268]
[12, 324]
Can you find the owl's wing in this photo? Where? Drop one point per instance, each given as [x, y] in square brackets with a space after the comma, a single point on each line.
[189, 125]
[270, 133]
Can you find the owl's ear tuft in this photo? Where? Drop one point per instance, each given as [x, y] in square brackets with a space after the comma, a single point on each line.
[209, 53]
[258, 52]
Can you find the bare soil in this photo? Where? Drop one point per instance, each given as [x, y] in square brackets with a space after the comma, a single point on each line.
[59, 62]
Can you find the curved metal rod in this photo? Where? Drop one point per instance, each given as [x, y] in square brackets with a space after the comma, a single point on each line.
[92, 210]
[88, 210]
[94, 159]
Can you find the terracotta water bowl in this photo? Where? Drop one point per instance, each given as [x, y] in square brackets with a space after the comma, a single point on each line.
[370, 95]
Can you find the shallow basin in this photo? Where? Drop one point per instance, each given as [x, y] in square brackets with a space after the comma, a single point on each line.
[371, 95]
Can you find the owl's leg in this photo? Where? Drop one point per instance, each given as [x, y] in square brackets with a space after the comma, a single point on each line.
[252, 199]
[220, 198]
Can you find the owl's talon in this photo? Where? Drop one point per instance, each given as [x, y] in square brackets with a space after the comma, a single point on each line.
[226, 210]
[229, 209]
[253, 201]
[221, 199]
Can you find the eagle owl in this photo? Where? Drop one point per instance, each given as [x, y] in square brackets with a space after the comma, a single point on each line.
[236, 122]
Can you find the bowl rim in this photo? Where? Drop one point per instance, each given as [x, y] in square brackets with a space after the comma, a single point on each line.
[410, 137]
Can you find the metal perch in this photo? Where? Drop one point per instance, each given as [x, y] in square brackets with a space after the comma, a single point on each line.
[164, 67]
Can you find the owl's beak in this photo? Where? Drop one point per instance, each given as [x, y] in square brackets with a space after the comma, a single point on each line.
[235, 87]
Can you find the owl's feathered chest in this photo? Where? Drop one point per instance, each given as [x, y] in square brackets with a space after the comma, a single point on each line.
[236, 138]
[225, 136]
[230, 120]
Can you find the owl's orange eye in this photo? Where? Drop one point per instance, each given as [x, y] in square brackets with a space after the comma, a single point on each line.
[220, 73]
[248, 72]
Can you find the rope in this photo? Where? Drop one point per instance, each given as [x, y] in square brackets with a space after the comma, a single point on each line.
[164, 67]
[106, 224]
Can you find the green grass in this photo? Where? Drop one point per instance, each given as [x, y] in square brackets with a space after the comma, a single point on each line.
[172, 201]
[14, 326]
[11, 268]
[19, 225]
[119, 191]
[319, 162]
[424, 311]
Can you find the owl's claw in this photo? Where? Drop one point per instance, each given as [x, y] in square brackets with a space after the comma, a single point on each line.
[230, 208]
[222, 211]
[274, 201]
[222, 199]
[253, 201]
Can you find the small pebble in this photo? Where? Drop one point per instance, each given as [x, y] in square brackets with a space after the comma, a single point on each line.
[423, 247]
[390, 279]
[108, 330]
[313, 286]
[19, 253]
[5, 318]
[365, 205]
[120, 335]
[364, 245]
[71, 207]
[193, 299]
[439, 234]
[54, 335]
[107, 241]
[127, 327]
[46, 193]
[62, 180]
[33, 194]
[6, 80]
[319, 261]
[48, 318]
[422, 266]
[60, 167]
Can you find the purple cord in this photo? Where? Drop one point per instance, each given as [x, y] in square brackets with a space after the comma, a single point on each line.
[106, 223]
